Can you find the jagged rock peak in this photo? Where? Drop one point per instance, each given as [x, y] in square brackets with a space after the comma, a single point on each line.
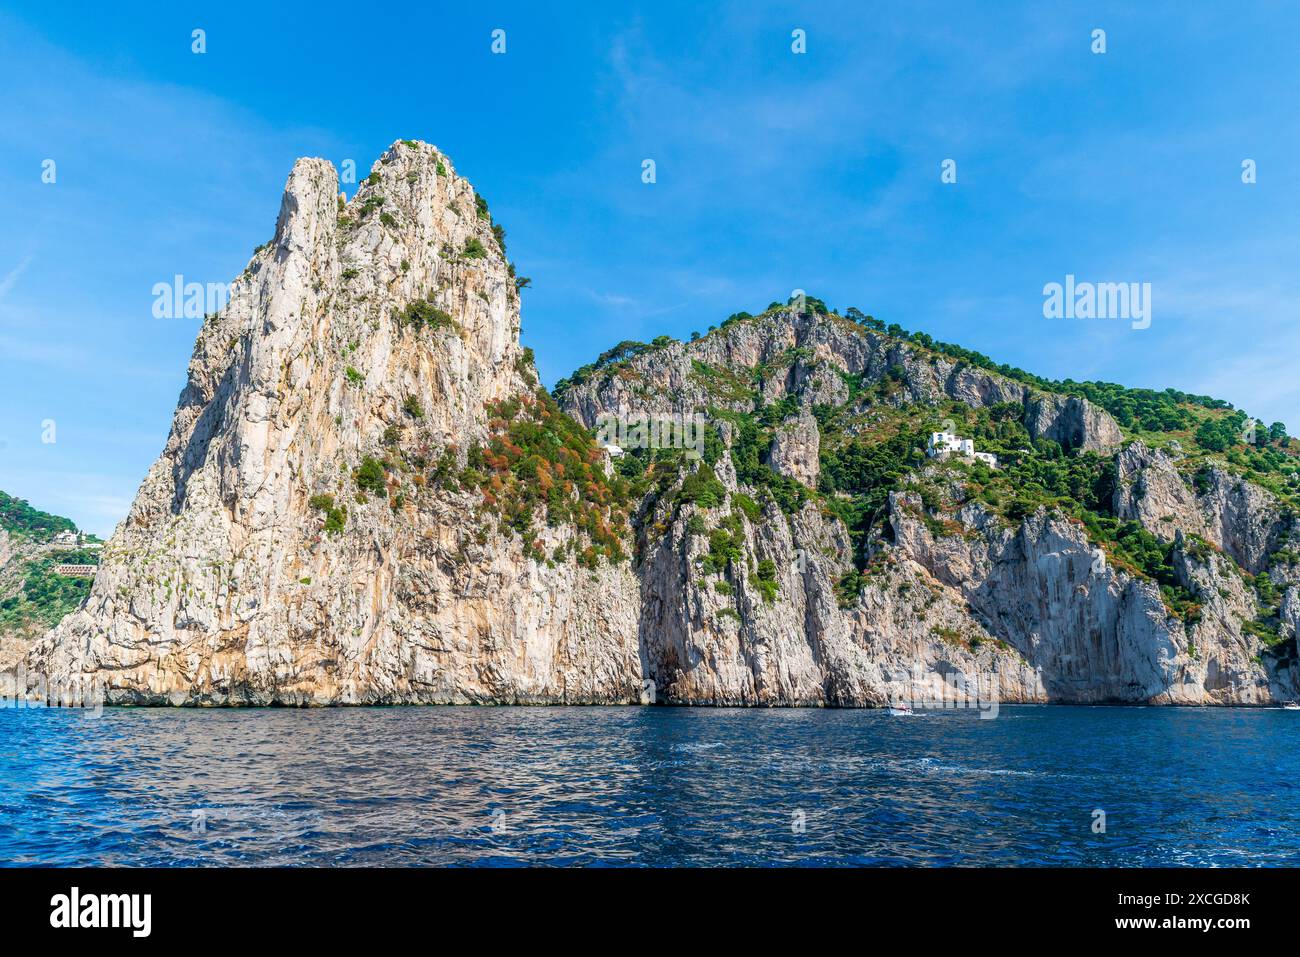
[305, 536]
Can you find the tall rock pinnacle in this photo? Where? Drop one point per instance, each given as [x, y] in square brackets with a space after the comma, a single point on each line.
[295, 542]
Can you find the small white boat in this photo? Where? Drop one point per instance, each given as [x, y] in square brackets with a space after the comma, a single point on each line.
[901, 712]
[1291, 706]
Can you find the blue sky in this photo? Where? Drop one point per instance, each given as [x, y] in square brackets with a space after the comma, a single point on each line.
[775, 171]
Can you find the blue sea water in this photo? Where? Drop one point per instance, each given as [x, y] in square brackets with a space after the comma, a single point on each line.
[649, 786]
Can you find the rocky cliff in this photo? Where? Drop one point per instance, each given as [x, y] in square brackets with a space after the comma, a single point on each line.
[1036, 602]
[1097, 632]
[290, 544]
[367, 498]
[742, 606]
[1238, 517]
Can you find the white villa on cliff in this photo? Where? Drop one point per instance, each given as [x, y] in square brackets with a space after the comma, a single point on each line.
[944, 444]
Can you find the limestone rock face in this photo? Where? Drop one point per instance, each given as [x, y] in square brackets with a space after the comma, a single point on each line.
[221, 586]
[1224, 661]
[1242, 519]
[1290, 612]
[1149, 490]
[1098, 633]
[730, 639]
[1074, 422]
[795, 450]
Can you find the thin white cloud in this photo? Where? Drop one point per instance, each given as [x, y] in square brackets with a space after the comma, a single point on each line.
[11, 277]
[611, 299]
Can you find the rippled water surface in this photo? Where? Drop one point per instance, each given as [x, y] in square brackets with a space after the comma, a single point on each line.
[649, 786]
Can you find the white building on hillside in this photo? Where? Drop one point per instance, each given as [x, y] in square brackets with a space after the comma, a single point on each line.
[944, 444]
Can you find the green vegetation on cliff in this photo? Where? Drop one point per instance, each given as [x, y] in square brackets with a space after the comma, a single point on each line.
[19, 518]
[44, 597]
[609, 362]
[541, 465]
[874, 443]
[33, 597]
